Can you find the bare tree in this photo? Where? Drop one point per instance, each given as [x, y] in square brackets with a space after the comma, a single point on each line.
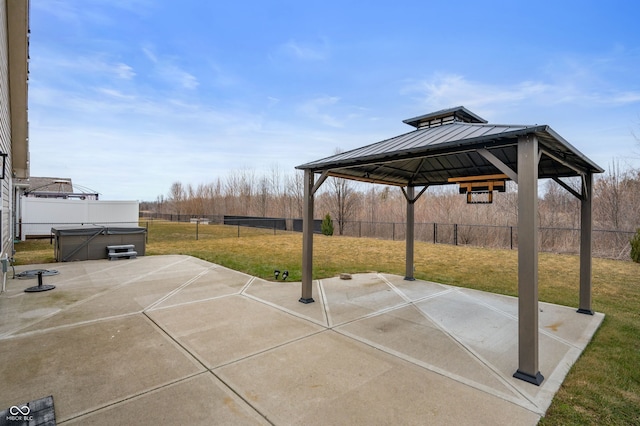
[177, 197]
[263, 196]
[343, 201]
[294, 193]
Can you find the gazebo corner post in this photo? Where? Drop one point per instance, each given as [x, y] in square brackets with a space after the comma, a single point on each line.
[586, 225]
[307, 239]
[410, 234]
[528, 349]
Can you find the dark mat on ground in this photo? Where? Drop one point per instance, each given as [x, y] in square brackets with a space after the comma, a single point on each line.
[39, 412]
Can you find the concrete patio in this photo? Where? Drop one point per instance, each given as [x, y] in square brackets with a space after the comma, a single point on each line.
[177, 340]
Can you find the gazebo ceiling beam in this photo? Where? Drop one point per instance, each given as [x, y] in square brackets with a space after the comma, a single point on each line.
[499, 164]
[565, 163]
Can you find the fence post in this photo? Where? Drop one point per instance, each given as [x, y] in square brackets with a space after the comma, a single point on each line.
[511, 236]
[435, 233]
[455, 234]
[238, 229]
[197, 223]
[393, 231]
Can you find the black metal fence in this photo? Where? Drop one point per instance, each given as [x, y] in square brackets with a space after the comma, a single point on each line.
[612, 244]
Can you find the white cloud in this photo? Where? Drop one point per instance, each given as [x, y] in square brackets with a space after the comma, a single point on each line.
[114, 93]
[169, 72]
[316, 110]
[91, 12]
[148, 52]
[272, 101]
[124, 71]
[445, 90]
[307, 51]
[80, 67]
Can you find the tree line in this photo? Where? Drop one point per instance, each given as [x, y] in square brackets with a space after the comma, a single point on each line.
[616, 201]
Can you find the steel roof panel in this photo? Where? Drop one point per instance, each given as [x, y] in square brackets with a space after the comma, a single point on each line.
[431, 155]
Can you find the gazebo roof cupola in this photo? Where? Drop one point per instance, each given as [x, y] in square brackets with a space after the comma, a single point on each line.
[445, 116]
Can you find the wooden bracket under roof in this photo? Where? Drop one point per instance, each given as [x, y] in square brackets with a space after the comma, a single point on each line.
[486, 184]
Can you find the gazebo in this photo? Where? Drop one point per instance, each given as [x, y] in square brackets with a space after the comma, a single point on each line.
[456, 146]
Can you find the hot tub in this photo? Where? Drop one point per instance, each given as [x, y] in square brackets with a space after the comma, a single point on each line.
[90, 242]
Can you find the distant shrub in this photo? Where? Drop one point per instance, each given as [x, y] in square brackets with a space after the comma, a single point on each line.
[327, 225]
[635, 247]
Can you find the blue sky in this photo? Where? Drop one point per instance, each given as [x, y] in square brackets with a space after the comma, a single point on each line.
[128, 96]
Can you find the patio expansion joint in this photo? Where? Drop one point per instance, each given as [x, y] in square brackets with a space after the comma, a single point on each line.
[239, 395]
[494, 371]
[269, 349]
[92, 297]
[135, 396]
[515, 318]
[174, 340]
[71, 325]
[204, 366]
[282, 309]
[530, 403]
[325, 303]
[176, 290]
[190, 302]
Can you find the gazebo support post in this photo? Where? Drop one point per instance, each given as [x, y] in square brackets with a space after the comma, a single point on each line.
[411, 197]
[585, 245]
[307, 238]
[410, 234]
[528, 157]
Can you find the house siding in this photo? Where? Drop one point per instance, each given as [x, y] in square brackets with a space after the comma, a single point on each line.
[5, 134]
[14, 139]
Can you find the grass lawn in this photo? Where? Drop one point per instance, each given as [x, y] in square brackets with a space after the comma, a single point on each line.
[603, 387]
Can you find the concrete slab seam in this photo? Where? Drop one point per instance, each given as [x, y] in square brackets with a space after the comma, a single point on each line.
[130, 397]
[269, 349]
[176, 290]
[487, 305]
[191, 302]
[201, 362]
[325, 303]
[10, 333]
[515, 318]
[283, 309]
[232, 270]
[521, 402]
[174, 340]
[94, 296]
[373, 314]
[247, 285]
[4, 296]
[449, 289]
[67, 326]
[394, 288]
[434, 295]
[239, 395]
[496, 373]
[116, 265]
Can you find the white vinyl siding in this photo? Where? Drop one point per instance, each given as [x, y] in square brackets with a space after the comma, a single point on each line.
[5, 134]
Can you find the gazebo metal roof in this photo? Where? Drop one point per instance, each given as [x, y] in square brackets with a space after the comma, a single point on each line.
[432, 154]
